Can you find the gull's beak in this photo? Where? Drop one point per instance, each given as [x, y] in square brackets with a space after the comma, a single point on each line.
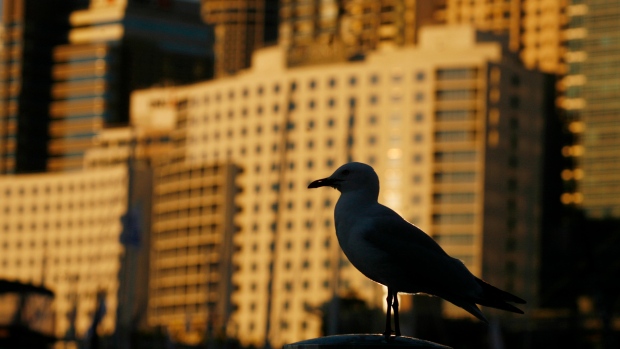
[324, 182]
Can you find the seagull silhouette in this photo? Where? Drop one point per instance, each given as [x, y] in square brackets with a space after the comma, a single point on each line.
[397, 254]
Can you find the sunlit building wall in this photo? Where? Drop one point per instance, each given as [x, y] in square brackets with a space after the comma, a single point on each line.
[191, 252]
[591, 102]
[440, 124]
[62, 231]
[115, 47]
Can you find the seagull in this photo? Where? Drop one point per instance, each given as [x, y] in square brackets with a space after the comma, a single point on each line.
[395, 253]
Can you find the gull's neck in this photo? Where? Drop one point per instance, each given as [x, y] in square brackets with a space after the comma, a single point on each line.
[351, 203]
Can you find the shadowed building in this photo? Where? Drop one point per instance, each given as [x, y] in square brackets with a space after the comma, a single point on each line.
[320, 31]
[591, 102]
[535, 27]
[28, 32]
[241, 27]
[453, 127]
[116, 47]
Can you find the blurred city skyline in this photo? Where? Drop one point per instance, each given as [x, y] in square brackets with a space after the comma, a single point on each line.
[154, 158]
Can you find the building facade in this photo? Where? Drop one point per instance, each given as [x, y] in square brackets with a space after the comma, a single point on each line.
[62, 231]
[535, 27]
[590, 100]
[440, 123]
[29, 31]
[320, 31]
[240, 28]
[114, 48]
[191, 259]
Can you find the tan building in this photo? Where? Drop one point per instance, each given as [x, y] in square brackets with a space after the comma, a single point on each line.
[441, 124]
[10, 85]
[62, 231]
[191, 250]
[589, 99]
[535, 27]
[320, 31]
[241, 27]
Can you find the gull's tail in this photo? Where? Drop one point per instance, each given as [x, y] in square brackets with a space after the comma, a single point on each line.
[495, 298]
[490, 296]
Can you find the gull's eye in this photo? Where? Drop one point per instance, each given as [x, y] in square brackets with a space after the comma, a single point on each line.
[345, 172]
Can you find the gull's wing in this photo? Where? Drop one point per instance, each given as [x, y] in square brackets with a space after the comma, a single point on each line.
[410, 259]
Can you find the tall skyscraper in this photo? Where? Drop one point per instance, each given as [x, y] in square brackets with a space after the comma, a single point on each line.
[590, 100]
[241, 27]
[28, 32]
[116, 47]
[534, 27]
[445, 125]
[319, 31]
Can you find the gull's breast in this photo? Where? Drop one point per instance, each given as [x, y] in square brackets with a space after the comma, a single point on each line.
[365, 257]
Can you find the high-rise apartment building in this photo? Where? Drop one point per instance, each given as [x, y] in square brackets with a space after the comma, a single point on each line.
[453, 128]
[10, 73]
[28, 32]
[116, 47]
[319, 31]
[535, 27]
[62, 231]
[241, 27]
[191, 259]
[591, 102]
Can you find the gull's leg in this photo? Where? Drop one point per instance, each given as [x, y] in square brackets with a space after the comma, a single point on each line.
[396, 320]
[388, 324]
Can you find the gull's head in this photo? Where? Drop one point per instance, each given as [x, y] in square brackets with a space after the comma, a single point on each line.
[351, 177]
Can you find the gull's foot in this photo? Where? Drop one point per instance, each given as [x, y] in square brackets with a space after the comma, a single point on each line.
[388, 335]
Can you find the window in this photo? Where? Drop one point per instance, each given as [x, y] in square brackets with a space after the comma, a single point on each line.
[455, 156]
[456, 94]
[445, 198]
[420, 76]
[456, 73]
[454, 136]
[453, 218]
[455, 115]
[455, 177]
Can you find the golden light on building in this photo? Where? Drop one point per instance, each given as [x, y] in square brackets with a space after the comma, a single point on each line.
[191, 249]
[62, 231]
[418, 115]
